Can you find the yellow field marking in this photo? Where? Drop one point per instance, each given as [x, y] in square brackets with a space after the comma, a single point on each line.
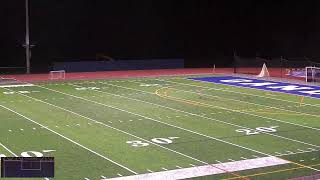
[197, 103]
[301, 101]
[273, 172]
[263, 110]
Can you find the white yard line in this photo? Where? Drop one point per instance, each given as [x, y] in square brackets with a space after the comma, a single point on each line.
[218, 107]
[220, 89]
[68, 139]
[177, 127]
[213, 119]
[6, 148]
[119, 130]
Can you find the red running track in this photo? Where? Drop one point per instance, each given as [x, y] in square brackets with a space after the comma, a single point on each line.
[120, 74]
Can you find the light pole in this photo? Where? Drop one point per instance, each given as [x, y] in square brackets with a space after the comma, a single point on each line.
[27, 43]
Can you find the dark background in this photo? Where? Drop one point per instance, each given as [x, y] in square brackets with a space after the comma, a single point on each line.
[204, 32]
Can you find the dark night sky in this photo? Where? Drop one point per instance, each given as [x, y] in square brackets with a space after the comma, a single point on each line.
[201, 31]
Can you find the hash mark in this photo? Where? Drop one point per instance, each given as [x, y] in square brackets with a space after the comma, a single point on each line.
[179, 167]
[149, 170]
[103, 177]
[192, 165]
[120, 175]
[164, 169]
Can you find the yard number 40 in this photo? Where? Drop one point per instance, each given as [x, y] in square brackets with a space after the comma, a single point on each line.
[258, 130]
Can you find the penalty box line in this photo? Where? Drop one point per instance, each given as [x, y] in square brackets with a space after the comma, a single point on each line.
[210, 137]
[70, 140]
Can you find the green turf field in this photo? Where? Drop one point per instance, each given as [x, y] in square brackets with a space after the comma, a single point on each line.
[115, 128]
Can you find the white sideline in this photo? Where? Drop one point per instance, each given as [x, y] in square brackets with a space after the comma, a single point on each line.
[8, 150]
[16, 85]
[207, 170]
[64, 137]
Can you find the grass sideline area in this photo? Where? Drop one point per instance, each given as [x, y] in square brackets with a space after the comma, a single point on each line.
[98, 129]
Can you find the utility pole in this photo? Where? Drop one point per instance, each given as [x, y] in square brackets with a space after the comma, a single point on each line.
[27, 43]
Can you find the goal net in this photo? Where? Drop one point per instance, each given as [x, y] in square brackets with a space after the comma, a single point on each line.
[312, 74]
[55, 75]
[264, 71]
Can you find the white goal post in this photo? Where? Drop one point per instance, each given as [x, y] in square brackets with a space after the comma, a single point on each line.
[55, 75]
[312, 74]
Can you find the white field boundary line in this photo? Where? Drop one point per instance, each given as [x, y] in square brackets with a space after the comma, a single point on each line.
[207, 170]
[16, 85]
[68, 139]
[11, 152]
[213, 119]
[111, 127]
[6, 148]
[241, 112]
[294, 153]
[236, 92]
[177, 127]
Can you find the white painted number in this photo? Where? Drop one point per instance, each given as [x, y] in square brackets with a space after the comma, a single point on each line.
[258, 130]
[2, 155]
[137, 143]
[31, 154]
[161, 140]
[155, 140]
[247, 131]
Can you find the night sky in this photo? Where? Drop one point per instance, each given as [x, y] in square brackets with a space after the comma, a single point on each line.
[201, 31]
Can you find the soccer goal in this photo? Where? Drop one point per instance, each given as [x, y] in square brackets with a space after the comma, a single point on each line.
[312, 74]
[264, 71]
[55, 75]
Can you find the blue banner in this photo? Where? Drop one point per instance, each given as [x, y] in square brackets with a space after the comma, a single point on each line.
[289, 88]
